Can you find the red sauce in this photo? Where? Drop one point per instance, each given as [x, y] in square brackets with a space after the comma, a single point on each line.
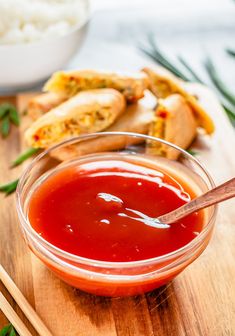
[83, 210]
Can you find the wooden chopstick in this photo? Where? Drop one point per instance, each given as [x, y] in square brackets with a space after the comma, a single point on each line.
[27, 309]
[13, 317]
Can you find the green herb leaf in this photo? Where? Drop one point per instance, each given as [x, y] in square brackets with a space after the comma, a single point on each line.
[164, 60]
[195, 77]
[24, 156]
[230, 113]
[5, 330]
[14, 116]
[158, 58]
[12, 332]
[155, 53]
[5, 127]
[8, 114]
[8, 331]
[4, 108]
[219, 84]
[9, 188]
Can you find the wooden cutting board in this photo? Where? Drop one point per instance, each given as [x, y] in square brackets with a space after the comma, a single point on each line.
[199, 302]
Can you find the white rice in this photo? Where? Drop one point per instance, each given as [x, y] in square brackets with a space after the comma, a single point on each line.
[23, 21]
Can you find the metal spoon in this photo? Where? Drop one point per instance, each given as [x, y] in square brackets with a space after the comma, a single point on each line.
[214, 196]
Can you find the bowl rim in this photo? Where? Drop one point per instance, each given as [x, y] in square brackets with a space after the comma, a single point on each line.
[100, 263]
[50, 39]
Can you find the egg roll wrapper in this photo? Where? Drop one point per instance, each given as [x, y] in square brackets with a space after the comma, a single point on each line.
[87, 112]
[132, 86]
[174, 122]
[163, 84]
[43, 103]
[136, 119]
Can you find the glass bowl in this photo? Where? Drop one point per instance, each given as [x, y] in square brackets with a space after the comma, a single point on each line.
[114, 278]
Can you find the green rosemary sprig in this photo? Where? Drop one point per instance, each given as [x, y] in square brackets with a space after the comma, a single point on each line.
[8, 330]
[230, 111]
[8, 115]
[24, 156]
[164, 60]
[9, 188]
[154, 52]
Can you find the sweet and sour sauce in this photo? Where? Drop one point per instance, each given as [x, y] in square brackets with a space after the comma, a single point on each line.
[103, 210]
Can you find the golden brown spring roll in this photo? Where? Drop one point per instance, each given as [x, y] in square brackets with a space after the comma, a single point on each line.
[86, 112]
[43, 103]
[71, 82]
[174, 122]
[163, 84]
[137, 119]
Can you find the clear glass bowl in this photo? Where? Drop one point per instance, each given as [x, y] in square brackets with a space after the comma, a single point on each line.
[114, 278]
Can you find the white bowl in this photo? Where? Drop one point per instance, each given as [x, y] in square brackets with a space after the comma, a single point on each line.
[25, 65]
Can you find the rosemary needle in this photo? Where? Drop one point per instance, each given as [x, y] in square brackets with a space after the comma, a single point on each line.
[3, 110]
[14, 116]
[157, 55]
[164, 60]
[9, 188]
[190, 70]
[8, 115]
[5, 127]
[230, 113]
[24, 156]
[219, 84]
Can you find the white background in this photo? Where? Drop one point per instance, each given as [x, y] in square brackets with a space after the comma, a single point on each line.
[169, 5]
[190, 28]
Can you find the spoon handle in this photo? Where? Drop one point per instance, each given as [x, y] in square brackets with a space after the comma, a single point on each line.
[215, 195]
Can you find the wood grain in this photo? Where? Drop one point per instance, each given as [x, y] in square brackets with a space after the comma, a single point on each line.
[199, 302]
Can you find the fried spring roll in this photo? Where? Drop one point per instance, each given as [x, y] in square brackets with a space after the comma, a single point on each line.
[71, 82]
[87, 112]
[174, 122]
[137, 119]
[43, 103]
[163, 85]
